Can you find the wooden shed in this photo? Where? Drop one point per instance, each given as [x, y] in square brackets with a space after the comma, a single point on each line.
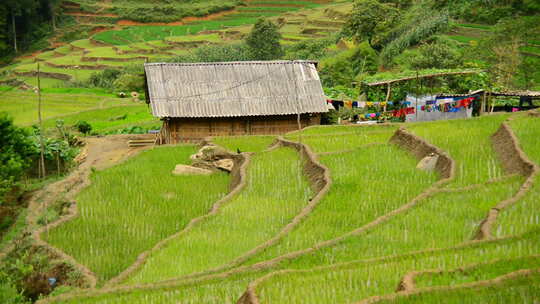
[196, 100]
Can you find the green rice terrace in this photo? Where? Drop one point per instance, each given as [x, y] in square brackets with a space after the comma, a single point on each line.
[328, 214]
[118, 39]
[359, 204]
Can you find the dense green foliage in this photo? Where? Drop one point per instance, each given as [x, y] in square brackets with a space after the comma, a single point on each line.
[165, 206]
[263, 41]
[16, 150]
[24, 23]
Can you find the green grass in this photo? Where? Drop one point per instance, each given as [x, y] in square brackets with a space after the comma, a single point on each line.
[126, 210]
[517, 290]
[110, 119]
[525, 214]
[420, 228]
[83, 43]
[344, 141]
[191, 38]
[76, 74]
[357, 195]
[462, 39]
[476, 26]
[468, 142]
[149, 33]
[531, 49]
[364, 279]
[245, 143]
[22, 106]
[220, 292]
[44, 82]
[78, 91]
[485, 271]
[276, 192]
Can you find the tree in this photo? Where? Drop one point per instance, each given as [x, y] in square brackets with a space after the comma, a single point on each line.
[437, 55]
[369, 20]
[263, 41]
[15, 153]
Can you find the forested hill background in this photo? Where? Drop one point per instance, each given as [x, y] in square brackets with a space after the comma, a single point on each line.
[29, 24]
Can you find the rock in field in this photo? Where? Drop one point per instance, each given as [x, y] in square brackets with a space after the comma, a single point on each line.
[190, 170]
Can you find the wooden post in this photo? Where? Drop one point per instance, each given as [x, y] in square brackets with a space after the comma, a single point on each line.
[483, 105]
[41, 143]
[490, 100]
[389, 89]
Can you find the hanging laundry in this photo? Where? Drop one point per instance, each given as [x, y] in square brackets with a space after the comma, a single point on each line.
[361, 104]
[355, 104]
[348, 104]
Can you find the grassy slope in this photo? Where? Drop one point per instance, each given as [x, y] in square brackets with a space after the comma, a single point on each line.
[22, 106]
[275, 193]
[518, 290]
[422, 227]
[526, 214]
[356, 194]
[108, 244]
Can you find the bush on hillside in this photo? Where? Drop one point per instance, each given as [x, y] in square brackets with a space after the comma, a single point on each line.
[419, 28]
[436, 55]
[83, 127]
[15, 154]
[309, 49]
[343, 68]
[128, 82]
[370, 20]
[263, 41]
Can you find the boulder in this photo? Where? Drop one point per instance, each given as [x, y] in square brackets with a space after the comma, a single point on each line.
[225, 164]
[190, 170]
[428, 163]
[210, 152]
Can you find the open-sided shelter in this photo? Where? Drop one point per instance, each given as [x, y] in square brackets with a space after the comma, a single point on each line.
[196, 100]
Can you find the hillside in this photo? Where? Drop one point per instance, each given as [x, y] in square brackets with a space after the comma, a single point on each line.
[354, 222]
[337, 213]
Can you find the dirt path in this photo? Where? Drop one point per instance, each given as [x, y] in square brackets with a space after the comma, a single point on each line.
[99, 153]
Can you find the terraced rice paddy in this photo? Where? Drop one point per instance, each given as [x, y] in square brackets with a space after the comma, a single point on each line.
[134, 44]
[274, 194]
[148, 204]
[23, 106]
[381, 222]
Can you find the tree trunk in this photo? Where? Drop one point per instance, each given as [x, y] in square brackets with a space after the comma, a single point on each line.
[53, 15]
[14, 31]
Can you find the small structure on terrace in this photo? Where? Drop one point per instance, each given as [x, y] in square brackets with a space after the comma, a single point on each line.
[196, 100]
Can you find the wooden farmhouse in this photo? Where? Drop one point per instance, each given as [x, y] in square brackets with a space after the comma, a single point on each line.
[196, 100]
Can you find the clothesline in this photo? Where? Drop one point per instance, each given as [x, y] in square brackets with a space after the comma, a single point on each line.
[462, 101]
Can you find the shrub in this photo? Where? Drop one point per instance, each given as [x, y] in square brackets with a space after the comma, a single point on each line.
[263, 41]
[104, 79]
[342, 68]
[15, 153]
[129, 83]
[439, 55]
[309, 49]
[83, 127]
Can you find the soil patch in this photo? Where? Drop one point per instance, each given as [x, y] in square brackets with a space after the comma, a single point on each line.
[514, 161]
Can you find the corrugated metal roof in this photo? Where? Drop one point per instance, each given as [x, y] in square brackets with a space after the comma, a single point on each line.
[227, 89]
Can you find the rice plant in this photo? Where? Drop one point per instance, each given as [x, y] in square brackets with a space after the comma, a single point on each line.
[361, 280]
[478, 272]
[244, 144]
[524, 215]
[468, 142]
[129, 208]
[275, 193]
[515, 290]
[367, 184]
